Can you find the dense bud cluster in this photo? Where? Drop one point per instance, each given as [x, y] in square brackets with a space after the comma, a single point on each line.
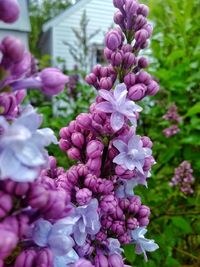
[173, 117]
[51, 217]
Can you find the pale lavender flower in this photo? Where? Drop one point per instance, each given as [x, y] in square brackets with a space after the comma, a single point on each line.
[126, 188]
[87, 221]
[57, 238]
[132, 154]
[114, 246]
[119, 106]
[143, 244]
[22, 153]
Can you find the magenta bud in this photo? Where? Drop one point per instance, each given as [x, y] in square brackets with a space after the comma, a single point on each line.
[65, 133]
[96, 70]
[132, 223]
[53, 81]
[106, 83]
[26, 259]
[144, 77]
[152, 88]
[64, 145]
[45, 258]
[115, 260]
[140, 22]
[149, 29]
[8, 104]
[148, 163]
[107, 53]
[74, 153]
[137, 92]
[143, 10]
[94, 149]
[91, 79]
[119, 18]
[83, 196]
[146, 142]
[105, 71]
[143, 221]
[9, 10]
[129, 79]
[143, 63]
[144, 211]
[129, 60]
[124, 203]
[113, 40]
[13, 48]
[116, 58]
[127, 48]
[94, 164]
[118, 3]
[84, 120]
[78, 139]
[141, 36]
[8, 242]
[100, 260]
[83, 263]
[131, 7]
[6, 204]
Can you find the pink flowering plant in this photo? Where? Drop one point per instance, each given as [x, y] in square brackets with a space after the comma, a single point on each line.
[82, 216]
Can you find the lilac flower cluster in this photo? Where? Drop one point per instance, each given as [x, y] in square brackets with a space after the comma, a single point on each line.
[51, 217]
[172, 116]
[183, 178]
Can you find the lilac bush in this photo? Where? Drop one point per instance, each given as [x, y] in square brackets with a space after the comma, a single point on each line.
[83, 216]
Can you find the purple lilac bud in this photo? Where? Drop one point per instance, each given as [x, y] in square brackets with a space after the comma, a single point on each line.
[132, 223]
[100, 260]
[44, 258]
[9, 11]
[143, 63]
[8, 242]
[83, 196]
[172, 114]
[113, 40]
[8, 104]
[78, 139]
[74, 153]
[53, 81]
[108, 204]
[5, 204]
[13, 48]
[91, 79]
[116, 58]
[129, 79]
[83, 263]
[118, 3]
[152, 88]
[172, 130]
[26, 258]
[137, 92]
[106, 83]
[94, 149]
[129, 60]
[143, 10]
[115, 260]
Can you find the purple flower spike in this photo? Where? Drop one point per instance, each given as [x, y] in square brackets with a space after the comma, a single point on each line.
[9, 10]
[119, 105]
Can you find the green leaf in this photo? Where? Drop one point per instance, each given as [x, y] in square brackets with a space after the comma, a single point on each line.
[193, 110]
[182, 224]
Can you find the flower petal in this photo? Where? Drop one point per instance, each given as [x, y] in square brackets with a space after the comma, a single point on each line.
[120, 159]
[120, 145]
[41, 232]
[120, 93]
[105, 107]
[116, 121]
[107, 95]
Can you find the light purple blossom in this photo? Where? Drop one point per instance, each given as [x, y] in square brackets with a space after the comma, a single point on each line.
[119, 106]
[87, 221]
[22, 153]
[126, 188]
[143, 244]
[114, 246]
[132, 154]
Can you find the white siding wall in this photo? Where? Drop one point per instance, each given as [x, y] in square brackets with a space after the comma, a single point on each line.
[99, 12]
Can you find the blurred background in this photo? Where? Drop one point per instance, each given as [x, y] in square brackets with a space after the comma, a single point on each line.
[70, 35]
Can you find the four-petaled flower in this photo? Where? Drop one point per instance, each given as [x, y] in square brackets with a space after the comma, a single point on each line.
[119, 106]
[22, 153]
[57, 238]
[87, 221]
[143, 244]
[132, 154]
